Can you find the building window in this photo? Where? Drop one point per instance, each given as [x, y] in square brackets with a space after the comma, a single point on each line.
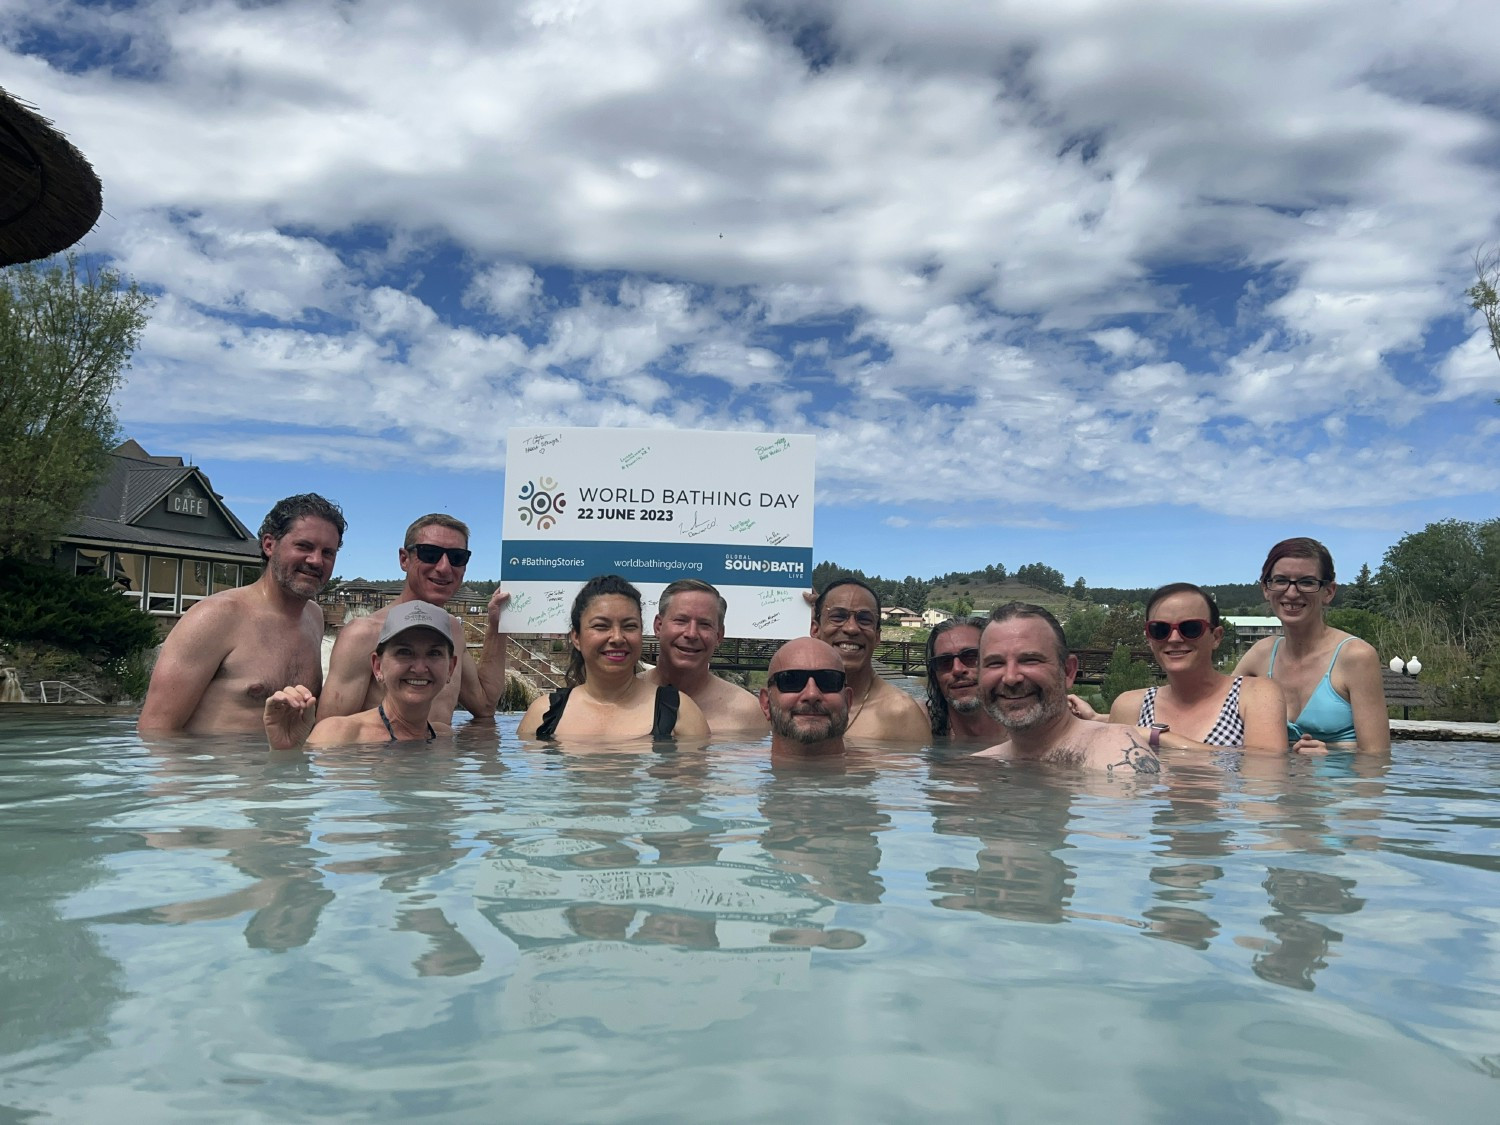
[130, 575]
[226, 576]
[249, 575]
[91, 562]
[161, 595]
[194, 581]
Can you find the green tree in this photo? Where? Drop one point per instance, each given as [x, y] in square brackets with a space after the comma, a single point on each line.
[66, 338]
[1451, 569]
[1125, 624]
[1361, 593]
[1484, 294]
[1043, 577]
[1124, 674]
[1082, 625]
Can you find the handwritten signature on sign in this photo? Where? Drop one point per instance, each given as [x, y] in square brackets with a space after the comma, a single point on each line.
[634, 456]
[540, 443]
[780, 445]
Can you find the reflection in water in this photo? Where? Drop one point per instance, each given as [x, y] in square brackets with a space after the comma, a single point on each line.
[1020, 817]
[480, 930]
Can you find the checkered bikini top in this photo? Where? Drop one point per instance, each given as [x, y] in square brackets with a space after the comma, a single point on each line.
[1228, 728]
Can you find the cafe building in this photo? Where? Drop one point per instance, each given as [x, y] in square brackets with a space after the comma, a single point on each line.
[159, 530]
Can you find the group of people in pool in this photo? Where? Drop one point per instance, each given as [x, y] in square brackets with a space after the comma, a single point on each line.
[1003, 680]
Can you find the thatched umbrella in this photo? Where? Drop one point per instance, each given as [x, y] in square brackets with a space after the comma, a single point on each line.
[49, 195]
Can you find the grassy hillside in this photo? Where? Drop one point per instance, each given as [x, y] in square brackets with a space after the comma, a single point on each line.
[985, 596]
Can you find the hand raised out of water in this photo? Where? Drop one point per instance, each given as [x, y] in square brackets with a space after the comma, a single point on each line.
[289, 716]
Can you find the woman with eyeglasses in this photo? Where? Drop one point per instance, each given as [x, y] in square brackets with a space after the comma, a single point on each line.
[1331, 680]
[1198, 708]
[603, 698]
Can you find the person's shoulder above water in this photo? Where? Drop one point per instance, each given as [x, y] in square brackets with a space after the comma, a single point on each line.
[889, 714]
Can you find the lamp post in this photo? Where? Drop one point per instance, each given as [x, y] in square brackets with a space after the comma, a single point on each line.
[1406, 668]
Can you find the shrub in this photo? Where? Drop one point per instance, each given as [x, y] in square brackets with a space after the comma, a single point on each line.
[82, 613]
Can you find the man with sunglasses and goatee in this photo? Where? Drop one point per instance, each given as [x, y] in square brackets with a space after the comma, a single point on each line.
[806, 699]
[434, 559]
[953, 704]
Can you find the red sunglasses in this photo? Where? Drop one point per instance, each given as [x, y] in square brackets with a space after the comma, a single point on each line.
[1189, 630]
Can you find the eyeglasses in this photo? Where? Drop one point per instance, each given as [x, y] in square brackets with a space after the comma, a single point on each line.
[1307, 584]
[968, 657]
[1189, 630]
[790, 681]
[430, 553]
[862, 617]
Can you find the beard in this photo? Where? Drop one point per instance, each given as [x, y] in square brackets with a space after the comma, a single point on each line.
[296, 581]
[968, 705]
[785, 724]
[1046, 707]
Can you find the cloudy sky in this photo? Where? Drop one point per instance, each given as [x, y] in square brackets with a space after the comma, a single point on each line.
[1132, 288]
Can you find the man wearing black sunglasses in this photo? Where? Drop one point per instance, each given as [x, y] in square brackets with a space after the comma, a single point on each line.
[807, 699]
[953, 704]
[434, 558]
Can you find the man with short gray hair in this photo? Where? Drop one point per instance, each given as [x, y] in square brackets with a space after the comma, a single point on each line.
[689, 627]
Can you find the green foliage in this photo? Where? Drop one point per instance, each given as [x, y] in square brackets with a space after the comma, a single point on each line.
[1083, 624]
[1043, 577]
[1451, 568]
[77, 612]
[1362, 623]
[1124, 624]
[517, 696]
[1123, 674]
[1359, 594]
[1484, 294]
[66, 338]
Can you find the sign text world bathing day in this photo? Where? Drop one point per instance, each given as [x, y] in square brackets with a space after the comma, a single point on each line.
[647, 504]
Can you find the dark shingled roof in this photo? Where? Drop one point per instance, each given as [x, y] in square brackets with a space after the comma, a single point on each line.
[133, 483]
[49, 194]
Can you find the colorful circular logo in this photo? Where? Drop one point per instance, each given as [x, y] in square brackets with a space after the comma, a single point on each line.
[541, 503]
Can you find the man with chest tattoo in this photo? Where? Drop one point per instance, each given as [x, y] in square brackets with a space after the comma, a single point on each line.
[234, 649]
[1025, 672]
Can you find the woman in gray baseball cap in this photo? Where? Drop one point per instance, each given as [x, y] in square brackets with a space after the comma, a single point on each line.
[413, 658]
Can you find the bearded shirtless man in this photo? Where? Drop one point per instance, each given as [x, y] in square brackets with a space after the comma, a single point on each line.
[231, 651]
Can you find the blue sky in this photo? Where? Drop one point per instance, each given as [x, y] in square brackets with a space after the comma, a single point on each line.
[1134, 289]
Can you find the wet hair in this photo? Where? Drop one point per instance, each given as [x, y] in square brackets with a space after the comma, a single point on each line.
[691, 586]
[599, 587]
[434, 519]
[286, 512]
[937, 706]
[1299, 548]
[1012, 610]
[1163, 592]
[845, 581]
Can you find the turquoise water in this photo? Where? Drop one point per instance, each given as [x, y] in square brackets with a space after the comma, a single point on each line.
[481, 933]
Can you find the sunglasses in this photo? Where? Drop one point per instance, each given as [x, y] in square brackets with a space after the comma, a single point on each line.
[1189, 630]
[429, 553]
[968, 657]
[790, 681]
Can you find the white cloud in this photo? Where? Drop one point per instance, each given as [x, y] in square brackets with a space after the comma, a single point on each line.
[1082, 255]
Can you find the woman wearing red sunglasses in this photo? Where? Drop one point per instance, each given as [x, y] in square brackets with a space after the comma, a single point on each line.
[1199, 707]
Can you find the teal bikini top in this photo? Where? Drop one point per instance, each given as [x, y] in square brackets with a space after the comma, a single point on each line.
[1327, 715]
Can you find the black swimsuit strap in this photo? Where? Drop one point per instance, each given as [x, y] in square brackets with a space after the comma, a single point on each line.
[380, 708]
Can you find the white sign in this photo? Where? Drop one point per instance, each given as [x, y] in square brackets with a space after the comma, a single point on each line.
[734, 510]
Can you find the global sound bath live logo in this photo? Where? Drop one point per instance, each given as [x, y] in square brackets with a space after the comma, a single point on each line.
[541, 503]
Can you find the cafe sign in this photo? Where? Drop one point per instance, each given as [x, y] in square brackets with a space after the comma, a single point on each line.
[187, 503]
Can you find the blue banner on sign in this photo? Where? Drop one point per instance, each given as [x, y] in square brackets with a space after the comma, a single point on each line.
[578, 560]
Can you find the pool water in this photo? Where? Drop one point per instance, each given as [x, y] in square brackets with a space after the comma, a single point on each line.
[483, 933]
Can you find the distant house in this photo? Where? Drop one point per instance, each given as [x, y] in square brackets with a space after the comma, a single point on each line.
[931, 617]
[901, 616]
[157, 528]
[1248, 630]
